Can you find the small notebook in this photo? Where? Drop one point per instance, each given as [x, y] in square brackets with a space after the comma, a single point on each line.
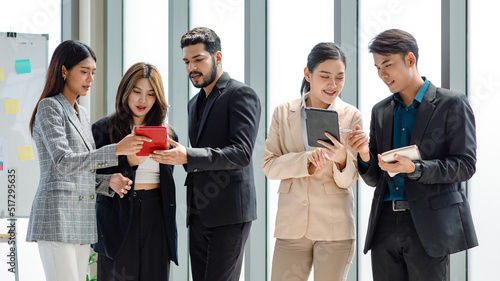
[410, 151]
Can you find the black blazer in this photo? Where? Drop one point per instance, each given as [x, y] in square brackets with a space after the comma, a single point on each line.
[446, 136]
[220, 173]
[114, 213]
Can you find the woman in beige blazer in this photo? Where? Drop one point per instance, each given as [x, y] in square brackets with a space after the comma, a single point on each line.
[315, 219]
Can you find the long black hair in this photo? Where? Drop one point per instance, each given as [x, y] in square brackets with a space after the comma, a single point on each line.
[68, 54]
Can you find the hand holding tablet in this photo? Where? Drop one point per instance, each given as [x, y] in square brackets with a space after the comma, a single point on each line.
[157, 134]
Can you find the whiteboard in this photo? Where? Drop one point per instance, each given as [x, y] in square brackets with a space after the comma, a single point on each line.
[23, 63]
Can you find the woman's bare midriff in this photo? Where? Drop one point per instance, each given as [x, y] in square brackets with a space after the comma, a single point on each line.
[146, 186]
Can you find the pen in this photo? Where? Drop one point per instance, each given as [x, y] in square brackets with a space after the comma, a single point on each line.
[346, 130]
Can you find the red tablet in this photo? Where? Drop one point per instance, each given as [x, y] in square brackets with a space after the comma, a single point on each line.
[157, 134]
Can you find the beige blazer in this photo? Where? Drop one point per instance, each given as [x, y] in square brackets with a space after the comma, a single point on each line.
[318, 206]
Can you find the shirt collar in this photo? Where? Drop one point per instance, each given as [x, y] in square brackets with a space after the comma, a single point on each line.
[420, 95]
[304, 98]
[423, 89]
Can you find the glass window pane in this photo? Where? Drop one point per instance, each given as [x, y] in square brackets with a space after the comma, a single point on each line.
[141, 40]
[291, 36]
[484, 98]
[36, 17]
[33, 16]
[227, 19]
[423, 20]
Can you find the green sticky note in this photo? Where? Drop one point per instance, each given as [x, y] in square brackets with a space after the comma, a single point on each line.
[1, 73]
[23, 66]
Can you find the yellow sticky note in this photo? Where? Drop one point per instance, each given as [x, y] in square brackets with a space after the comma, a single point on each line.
[11, 106]
[25, 153]
[1, 73]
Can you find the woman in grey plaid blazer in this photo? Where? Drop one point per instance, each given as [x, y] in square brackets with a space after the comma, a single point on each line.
[62, 218]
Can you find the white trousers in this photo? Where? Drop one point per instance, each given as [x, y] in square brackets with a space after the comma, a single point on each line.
[63, 261]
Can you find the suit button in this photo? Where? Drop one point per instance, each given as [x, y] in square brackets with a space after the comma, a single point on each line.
[195, 170]
[92, 196]
[81, 197]
[305, 203]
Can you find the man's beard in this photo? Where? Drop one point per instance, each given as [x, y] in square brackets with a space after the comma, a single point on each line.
[207, 79]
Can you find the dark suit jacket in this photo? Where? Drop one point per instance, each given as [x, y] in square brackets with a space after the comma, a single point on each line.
[446, 135]
[114, 213]
[220, 173]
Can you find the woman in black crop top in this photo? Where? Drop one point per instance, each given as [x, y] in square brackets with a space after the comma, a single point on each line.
[137, 233]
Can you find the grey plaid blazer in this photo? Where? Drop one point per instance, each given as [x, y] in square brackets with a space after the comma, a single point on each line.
[63, 209]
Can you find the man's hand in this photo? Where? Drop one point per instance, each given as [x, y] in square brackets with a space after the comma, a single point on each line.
[120, 184]
[401, 165]
[359, 141]
[177, 155]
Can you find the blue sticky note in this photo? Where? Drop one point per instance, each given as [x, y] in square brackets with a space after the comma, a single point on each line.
[23, 66]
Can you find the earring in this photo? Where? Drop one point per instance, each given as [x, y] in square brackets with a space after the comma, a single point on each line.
[64, 77]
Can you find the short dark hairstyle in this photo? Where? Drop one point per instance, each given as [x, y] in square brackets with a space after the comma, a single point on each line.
[320, 53]
[202, 35]
[394, 41]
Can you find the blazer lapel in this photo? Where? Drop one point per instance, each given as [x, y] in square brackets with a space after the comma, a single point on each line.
[339, 106]
[425, 111]
[74, 119]
[295, 122]
[219, 88]
[85, 123]
[193, 116]
[387, 126]
[211, 99]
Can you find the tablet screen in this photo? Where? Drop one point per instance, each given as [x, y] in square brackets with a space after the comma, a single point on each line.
[319, 121]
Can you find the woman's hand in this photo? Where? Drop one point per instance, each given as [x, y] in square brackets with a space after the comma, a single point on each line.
[336, 151]
[131, 144]
[120, 184]
[318, 157]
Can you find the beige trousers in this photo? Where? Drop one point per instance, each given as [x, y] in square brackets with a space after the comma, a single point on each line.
[294, 258]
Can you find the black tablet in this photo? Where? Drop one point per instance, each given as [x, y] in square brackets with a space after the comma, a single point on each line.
[319, 121]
